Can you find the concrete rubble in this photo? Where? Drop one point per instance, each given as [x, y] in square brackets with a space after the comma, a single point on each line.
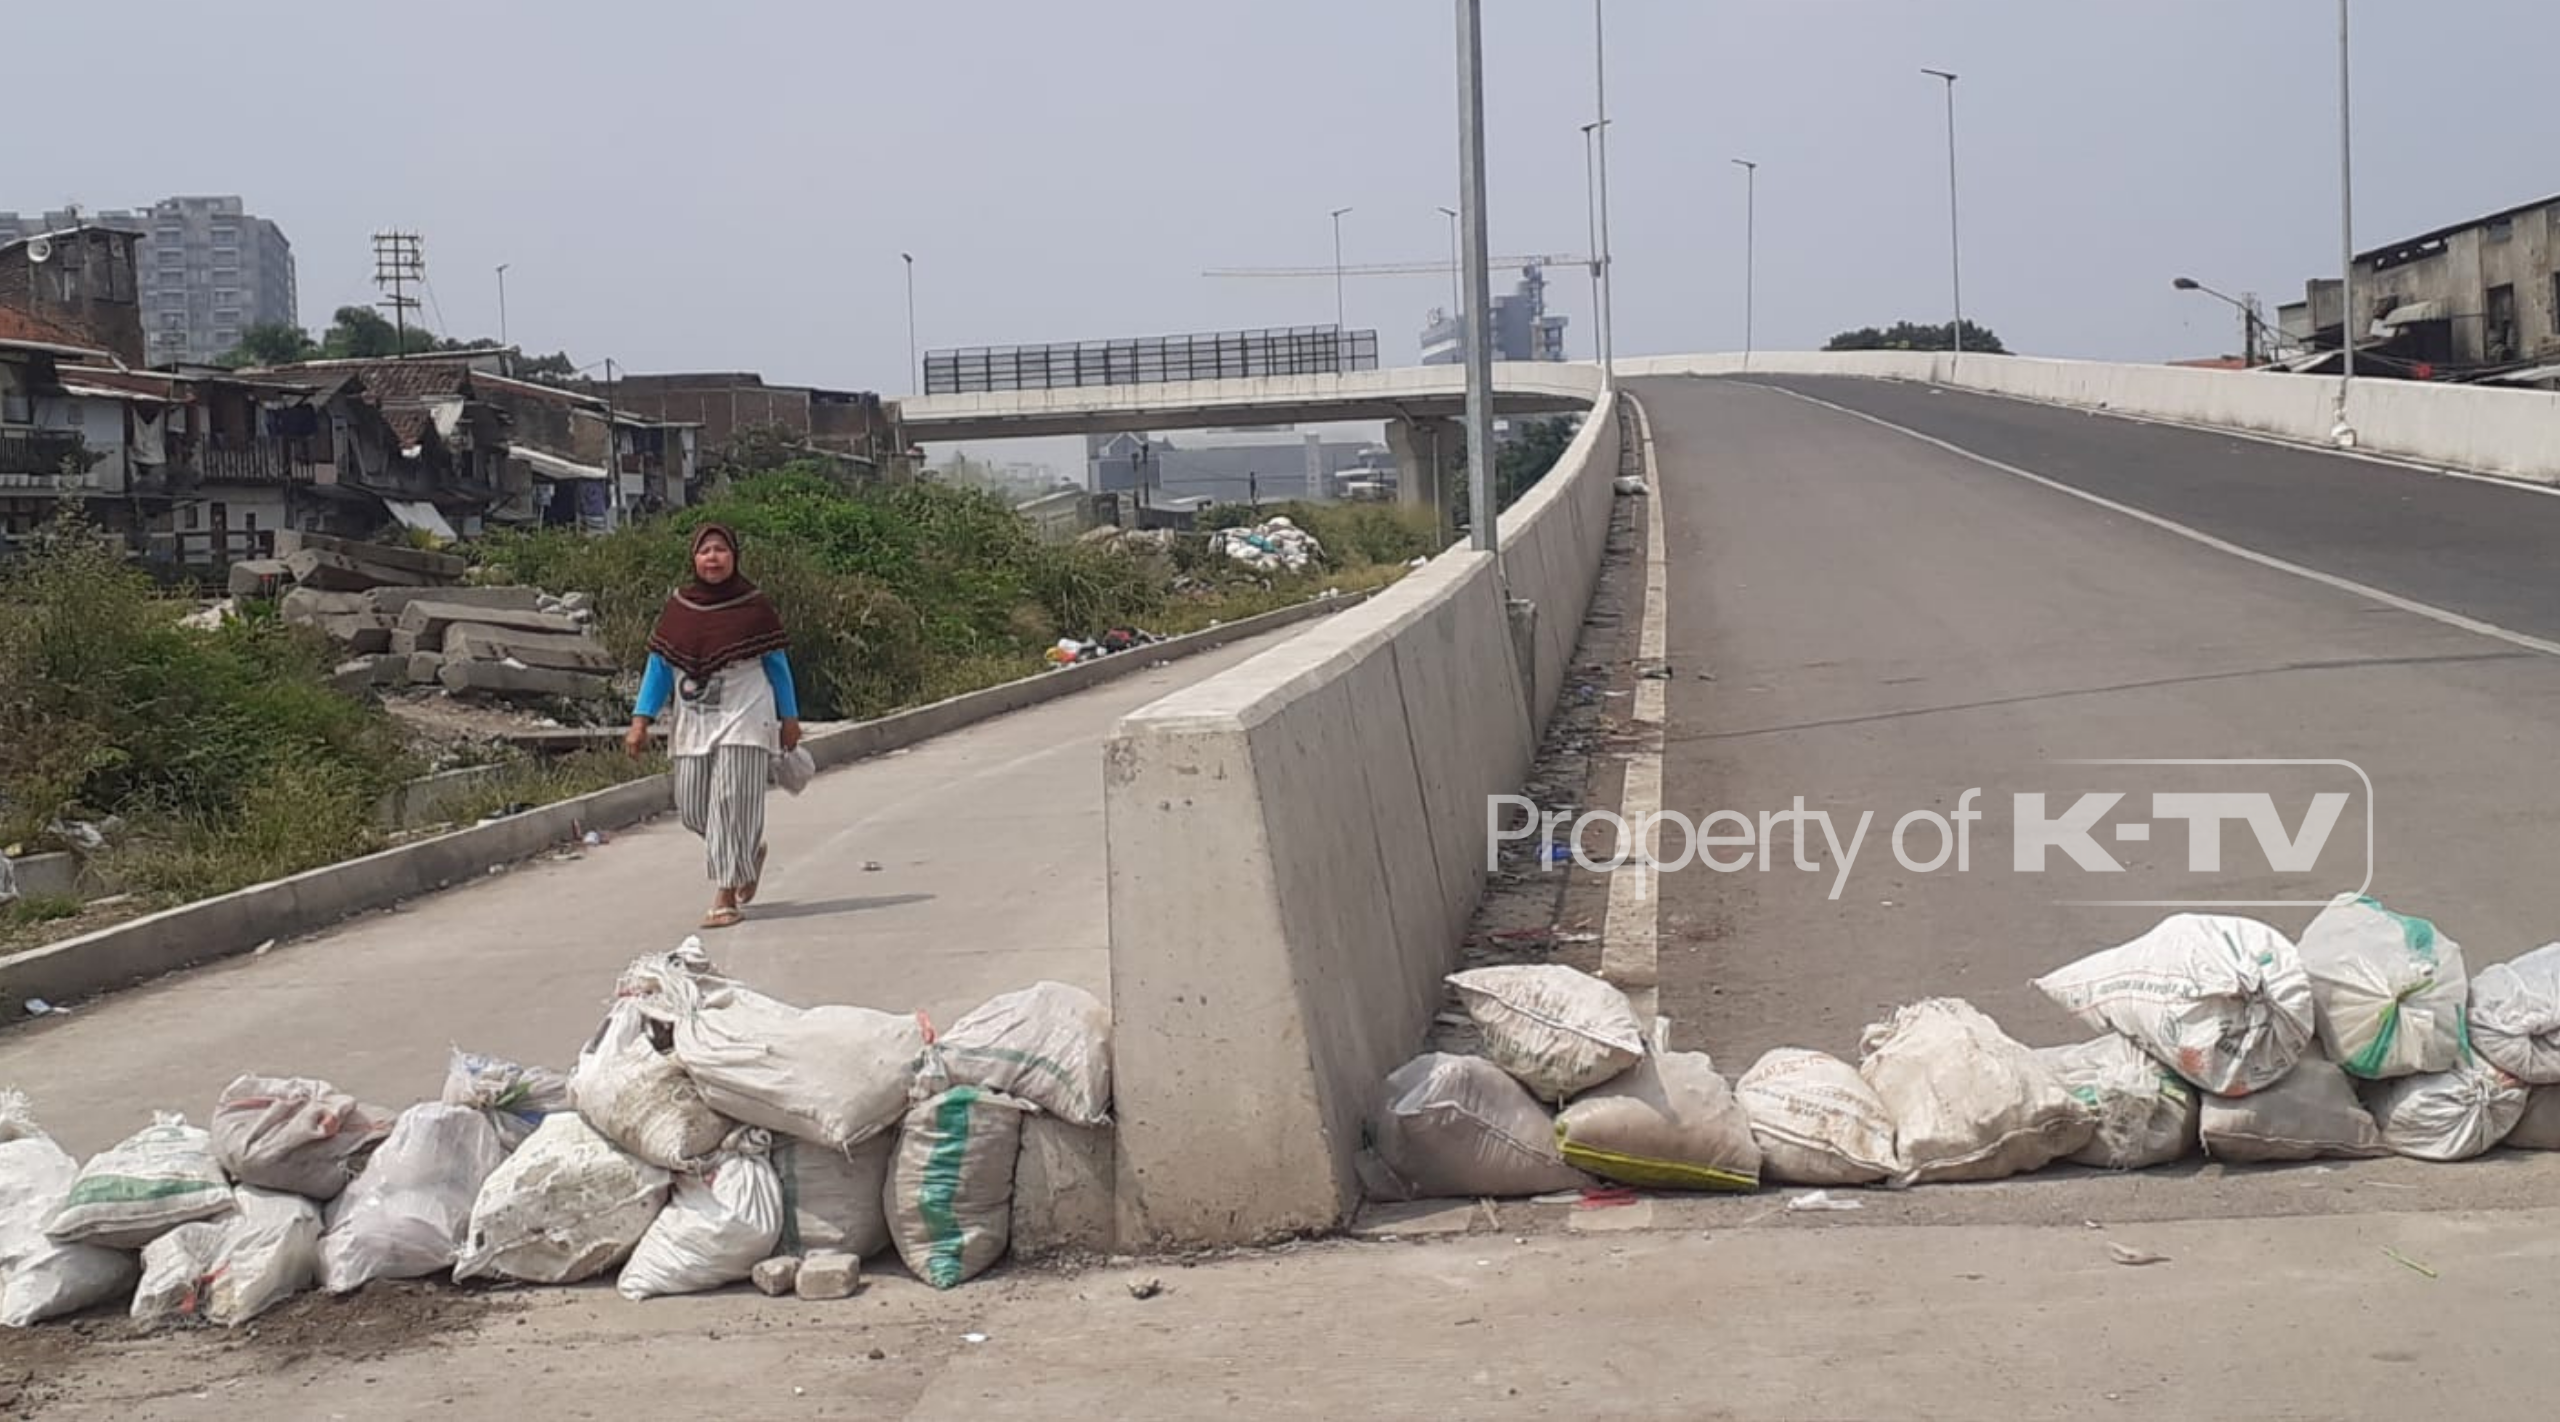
[402, 618]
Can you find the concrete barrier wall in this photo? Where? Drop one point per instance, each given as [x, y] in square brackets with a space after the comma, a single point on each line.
[2469, 427]
[1296, 847]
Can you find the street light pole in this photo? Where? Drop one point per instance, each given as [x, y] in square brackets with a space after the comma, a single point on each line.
[1608, 278]
[1340, 324]
[502, 303]
[1457, 298]
[1955, 228]
[1750, 249]
[2248, 316]
[913, 373]
[2345, 433]
[1479, 293]
[1591, 220]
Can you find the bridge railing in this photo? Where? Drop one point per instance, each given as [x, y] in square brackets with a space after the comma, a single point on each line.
[1151, 360]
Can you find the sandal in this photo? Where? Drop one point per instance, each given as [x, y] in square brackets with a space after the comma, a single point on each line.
[747, 891]
[722, 918]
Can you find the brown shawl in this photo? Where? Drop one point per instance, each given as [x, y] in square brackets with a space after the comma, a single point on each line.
[707, 626]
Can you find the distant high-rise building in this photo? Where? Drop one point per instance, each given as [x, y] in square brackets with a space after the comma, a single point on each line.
[209, 271]
[1522, 329]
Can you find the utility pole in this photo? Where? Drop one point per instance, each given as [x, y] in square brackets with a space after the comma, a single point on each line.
[913, 373]
[2345, 433]
[1608, 277]
[1955, 228]
[399, 258]
[1479, 334]
[1341, 327]
[1750, 253]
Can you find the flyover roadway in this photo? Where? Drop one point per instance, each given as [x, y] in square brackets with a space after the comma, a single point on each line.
[989, 849]
[1412, 393]
[1904, 592]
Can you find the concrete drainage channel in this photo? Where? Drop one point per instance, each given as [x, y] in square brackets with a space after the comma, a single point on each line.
[238, 922]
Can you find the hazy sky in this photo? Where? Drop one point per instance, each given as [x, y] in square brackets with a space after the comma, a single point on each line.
[680, 185]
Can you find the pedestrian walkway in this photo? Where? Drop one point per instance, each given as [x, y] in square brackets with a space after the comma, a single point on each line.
[990, 875]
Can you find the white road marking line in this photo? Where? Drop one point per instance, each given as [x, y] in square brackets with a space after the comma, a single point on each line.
[2412, 606]
[1630, 930]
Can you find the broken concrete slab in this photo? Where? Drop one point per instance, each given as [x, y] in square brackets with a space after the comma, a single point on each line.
[1062, 1189]
[363, 635]
[335, 572]
[499, 679]
[424, 668]
[309, 605]
[259, 577]
[479, 641]
[364, 673]
[1408, 1218]
[431, 620]
[828, 1274]
[391, 602]
[417, 563]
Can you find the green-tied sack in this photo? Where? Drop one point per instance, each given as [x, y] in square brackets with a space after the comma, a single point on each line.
[142, 1187]
[950, 1194]
[2390, 990]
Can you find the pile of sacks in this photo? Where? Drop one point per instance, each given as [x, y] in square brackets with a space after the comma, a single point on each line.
[1275, 545]
[2221, 1034]
[709, 1135]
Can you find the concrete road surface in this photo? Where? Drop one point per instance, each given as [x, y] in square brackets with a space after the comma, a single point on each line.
[1889, 622]
[989, 842]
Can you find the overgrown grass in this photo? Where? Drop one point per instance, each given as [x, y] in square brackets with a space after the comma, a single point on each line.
[898, 595]
[33, 909]
[226, 752]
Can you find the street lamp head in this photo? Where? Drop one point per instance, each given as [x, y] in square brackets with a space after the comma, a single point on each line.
[1448, 212]
[2187, 284]
[1745, 163]
[1340, 211]
[1939, 74]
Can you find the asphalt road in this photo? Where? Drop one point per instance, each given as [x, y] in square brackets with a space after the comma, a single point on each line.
[1888, 622]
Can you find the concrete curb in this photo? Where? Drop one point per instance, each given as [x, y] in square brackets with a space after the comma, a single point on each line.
[237, 922]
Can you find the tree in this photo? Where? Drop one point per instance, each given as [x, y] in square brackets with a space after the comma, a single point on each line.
[270, 343]
[359, 332]
[556, 367]
[1907, 336]
[1518, 462]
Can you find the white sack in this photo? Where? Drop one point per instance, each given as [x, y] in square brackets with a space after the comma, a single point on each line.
[230, 1270]
[2223, 1001]
[142, 1187]
[2389, 990]
[1558, 1030]
[406, 1216]
[567, 1206]
[1816, 1121]
[716, 1229]
[2537, 1129]
[41, 1278]
[294, 1134]
[2146, 1112]
[1453, 1125]
[1049, 1044]
[2313, 1112]
[1967, 1102]
[640, 1098]
[513, 1096]
[2447, 1115]
[1669, 1122]
[2515, 1015]
[834, 1076]
[950, 1190]
[833, 1200]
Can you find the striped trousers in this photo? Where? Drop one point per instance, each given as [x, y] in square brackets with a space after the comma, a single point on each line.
[720, 796]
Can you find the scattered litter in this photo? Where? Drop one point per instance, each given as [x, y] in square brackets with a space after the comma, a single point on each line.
[973, 1338]
[38, 1007]
[1655, 673]
[1275, 545]
[1818, 1201]
[1145, 1288]
[1606, 1197]
[592, 839]
[2402, 1259]
[1556, 1197]
[2127, 1254]
[871, 866]
[261, 950]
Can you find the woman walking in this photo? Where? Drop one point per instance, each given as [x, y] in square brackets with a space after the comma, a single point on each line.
[719, 653]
